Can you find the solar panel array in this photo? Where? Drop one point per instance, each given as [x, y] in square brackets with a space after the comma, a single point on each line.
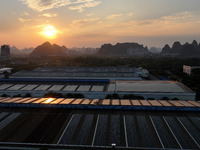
[127, 129]
[100, 102]
[45, 87]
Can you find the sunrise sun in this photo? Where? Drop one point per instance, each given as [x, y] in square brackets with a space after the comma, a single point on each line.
[50, 31]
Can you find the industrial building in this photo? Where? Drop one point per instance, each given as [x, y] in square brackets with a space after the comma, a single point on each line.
[5, 50]
[188, 69]
[111, 73]
[97, 88]
[75, 124]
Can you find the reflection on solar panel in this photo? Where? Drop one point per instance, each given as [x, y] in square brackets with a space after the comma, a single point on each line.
[106, 102]
[126, 102]
[39, 100]
[86, 102]
[115, 102]
[30, 100]
[145, 103]
[77, 101]
[21, 100]
[67, 101]
[94, 101]
[165, 103]
[136, 102]
[48, 100]
[57, 101]
[175, 103]
[154, 103]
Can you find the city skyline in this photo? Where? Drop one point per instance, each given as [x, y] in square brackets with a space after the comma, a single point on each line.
[91, 23]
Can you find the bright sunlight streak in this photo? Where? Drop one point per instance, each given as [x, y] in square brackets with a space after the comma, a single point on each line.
[50, 31]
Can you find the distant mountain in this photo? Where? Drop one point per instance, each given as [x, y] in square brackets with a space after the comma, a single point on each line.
[15, 51]
[155, 50]
[46, 49]
[123, 49]
[185, 50]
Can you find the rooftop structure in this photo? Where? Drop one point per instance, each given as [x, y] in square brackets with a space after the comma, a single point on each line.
[5, 50]
[188, 69]
[97, 88]
[82, 126]
[115, 73]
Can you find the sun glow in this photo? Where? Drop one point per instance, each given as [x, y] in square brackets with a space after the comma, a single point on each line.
[50, 31]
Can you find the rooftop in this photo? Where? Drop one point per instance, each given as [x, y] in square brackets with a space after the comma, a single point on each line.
[67, 128]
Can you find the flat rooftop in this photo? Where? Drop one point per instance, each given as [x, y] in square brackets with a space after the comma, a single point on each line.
[150, 86]
[80, 72]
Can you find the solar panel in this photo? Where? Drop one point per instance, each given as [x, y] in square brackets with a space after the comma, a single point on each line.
[30, 100]
[145, 103]
[29, 87]
[56, 88]
[136, 102]
[66, 101]
[5, 86]
[83, 88]
[77, 101]
[154, 103]
[39, 100]
[42, 87]
[70, 88]
[57, 101]
[106, 102]
[125, 102]
[94, 101]
[115, 102]
[175, 103]
[165, 103]
[86, 101]
[16, 87]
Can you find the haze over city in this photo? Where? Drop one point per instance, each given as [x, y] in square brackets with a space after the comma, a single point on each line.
[91, 23]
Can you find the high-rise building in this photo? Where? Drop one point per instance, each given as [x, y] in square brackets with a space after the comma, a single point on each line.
[5, 50]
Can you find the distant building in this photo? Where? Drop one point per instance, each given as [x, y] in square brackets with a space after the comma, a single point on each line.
[5, 50]
[188, 69]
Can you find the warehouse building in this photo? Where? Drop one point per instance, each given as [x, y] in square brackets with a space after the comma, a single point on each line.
[112, 73]
[97, 88]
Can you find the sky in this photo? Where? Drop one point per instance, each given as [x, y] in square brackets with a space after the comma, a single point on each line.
[91, 23]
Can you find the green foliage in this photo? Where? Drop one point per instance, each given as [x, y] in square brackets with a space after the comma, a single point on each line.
[112, 96]
[53, 95]
[18, 95]
[75, 95]
[28, 95]
[4, 95]
[165, 98]
[132, 96]
[175, 98]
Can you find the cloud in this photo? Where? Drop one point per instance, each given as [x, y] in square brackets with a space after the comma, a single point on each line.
[22, 20]
[41, 5]
[81, 22]
[26, 14]
[82, 7]
[49, 15]
[113, 16]
[179, 16]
